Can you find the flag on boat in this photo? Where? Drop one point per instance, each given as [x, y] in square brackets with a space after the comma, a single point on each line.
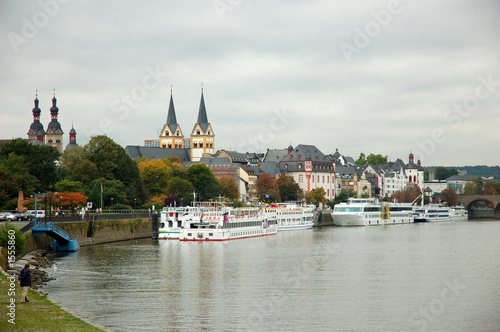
[101, 187]
[201, 218]
[226, 218]
[175, 203]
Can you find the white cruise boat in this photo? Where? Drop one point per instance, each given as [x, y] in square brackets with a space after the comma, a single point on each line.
[228, 224]
[291, 216]
[431, 212]
[369, 212]
[172, 219]
[458, 213]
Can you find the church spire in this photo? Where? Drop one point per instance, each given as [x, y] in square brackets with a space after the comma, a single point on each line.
[171, 118]
[202, 113]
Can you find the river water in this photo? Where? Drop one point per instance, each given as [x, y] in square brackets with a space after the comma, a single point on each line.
[417, 277]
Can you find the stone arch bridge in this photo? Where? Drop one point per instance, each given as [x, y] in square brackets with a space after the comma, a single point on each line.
[468, 200]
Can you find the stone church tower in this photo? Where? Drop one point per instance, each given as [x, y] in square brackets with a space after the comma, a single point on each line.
[171, 136]
[202, 136]
[54, 134]
[36, 131]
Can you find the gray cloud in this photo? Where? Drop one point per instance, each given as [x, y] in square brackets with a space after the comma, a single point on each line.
[263, 56]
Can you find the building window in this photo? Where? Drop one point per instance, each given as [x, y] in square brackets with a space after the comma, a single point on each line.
[328, 192]
[312, 178]
[286, 165]
[208, 132]
[323, 179]
[195, 144]
[289, 157]
[201, 144]
[164, 145]
[50, 141]
[301, 178]
[299, 166]
[169, 145]
[318, 178]
[298, 156]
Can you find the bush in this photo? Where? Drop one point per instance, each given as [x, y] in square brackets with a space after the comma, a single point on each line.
[8, 232]
[121, 207]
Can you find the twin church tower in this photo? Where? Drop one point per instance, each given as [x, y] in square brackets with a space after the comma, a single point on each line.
[202, 140]
[54, 134]
[200, 143]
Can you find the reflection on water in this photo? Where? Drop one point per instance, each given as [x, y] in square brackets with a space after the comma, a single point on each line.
[436, 276]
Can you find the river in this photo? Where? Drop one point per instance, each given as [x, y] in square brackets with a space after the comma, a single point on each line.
[415, 277]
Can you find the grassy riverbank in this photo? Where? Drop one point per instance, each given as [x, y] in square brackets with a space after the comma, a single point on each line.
[40, 314]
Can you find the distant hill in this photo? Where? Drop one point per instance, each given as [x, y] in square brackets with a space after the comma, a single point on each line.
[484, 171]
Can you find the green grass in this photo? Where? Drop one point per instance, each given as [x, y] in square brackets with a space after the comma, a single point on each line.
[38, 315]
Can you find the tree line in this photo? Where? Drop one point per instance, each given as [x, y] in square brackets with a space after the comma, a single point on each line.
[102, 168]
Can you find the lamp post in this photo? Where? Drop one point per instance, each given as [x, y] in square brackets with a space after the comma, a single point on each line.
[61, 202]
[111, 203]
[135, 203]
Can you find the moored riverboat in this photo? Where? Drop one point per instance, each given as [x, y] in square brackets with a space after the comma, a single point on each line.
[172, 219]
[291, 216]
[370, 212]
[229, 224]
[431, 213]
[458, 213]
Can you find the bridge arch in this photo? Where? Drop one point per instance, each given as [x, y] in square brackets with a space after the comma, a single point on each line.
[496, 206]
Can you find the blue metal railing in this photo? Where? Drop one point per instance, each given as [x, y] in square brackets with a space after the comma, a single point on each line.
[49, 227]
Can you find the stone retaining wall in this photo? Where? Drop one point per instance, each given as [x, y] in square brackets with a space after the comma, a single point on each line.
[95, 232]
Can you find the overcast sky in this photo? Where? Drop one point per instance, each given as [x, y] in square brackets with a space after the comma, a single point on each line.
[388, 77]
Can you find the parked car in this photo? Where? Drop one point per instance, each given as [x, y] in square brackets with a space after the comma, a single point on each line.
[23, 216]
[7, 216]
[39, 213]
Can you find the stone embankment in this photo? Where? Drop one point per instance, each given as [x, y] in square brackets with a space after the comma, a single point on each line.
[38, 260]
[96, 232]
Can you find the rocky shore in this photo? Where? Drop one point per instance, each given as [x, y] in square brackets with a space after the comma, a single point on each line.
[38, 260]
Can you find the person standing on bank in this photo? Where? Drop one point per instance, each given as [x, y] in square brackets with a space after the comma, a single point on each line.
[25, 281]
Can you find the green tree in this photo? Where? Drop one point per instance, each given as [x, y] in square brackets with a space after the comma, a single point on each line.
[267, 189]
[110, 189]
[492, 186]
[69, 186]
[204, 181]
[39, 160]
[181, 188]
[14, 177]
[317, 196]
[372, 159]
[343, 196]
[173, 159]
[474, 187]
[376, 159]
[228, 188]
[69, 160]
[85, 172]
[113, 163]
[442, 173]
[155, 174]
[289, 189]
[361, 160]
